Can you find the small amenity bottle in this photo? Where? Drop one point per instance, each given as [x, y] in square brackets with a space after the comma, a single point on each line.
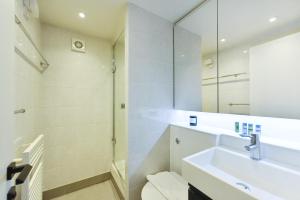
[258, 129]
[245, 130]
[250, 129]
[237, 127]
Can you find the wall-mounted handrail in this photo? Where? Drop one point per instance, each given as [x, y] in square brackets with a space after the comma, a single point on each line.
[246, 79]
[235, 75]
[44, 64]
[225, 76]
[22, 55]
[239, 104]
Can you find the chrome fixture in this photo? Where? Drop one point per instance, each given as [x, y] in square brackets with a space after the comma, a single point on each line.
[243, 185]
[239, 104]
[254, 147]
[20, 111]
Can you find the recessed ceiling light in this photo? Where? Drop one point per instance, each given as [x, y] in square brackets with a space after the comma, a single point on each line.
[81, 15]
[272, 19]
[182, 55]
[245, 51]
[223, 40]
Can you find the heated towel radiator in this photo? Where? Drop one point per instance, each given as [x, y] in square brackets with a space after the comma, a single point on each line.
[32, 188]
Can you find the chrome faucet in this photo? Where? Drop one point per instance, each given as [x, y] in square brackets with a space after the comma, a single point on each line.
[254, 147]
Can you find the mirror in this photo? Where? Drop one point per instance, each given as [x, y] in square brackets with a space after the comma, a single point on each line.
[195, 37]
[254, 68]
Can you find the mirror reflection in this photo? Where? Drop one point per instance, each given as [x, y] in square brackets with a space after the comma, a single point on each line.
[195, 37]
[255, 68]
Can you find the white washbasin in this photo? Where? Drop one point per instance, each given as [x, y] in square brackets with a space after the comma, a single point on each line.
[224, 174]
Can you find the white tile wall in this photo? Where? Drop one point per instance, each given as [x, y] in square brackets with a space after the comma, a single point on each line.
[27, 87]
[27, 96]
[76, 107]
[149, 95]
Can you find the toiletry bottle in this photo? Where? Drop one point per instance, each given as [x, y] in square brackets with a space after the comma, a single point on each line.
[250, 129]
[258, 129]
[245, 130]
[237, 127]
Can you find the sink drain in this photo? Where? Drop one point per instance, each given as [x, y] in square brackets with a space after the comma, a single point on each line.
[243, 185]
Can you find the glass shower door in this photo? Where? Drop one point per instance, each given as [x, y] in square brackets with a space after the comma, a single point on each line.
[119, 107]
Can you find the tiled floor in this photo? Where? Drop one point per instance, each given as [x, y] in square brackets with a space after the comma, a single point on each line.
[102, 191]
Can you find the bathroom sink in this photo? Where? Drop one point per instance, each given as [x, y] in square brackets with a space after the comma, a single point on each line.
[224, 174]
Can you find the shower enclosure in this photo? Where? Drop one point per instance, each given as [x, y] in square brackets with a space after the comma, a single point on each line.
[119, 107]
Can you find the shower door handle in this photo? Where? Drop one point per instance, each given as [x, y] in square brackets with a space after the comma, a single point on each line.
[114, 141]
[13, 169]
[24, 171]
[12, 194]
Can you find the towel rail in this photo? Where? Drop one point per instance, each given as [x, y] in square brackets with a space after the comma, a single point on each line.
[44, 63]
[239, 104]
[225, 76]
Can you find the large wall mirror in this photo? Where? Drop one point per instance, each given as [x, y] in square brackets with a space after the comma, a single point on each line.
[239, 57]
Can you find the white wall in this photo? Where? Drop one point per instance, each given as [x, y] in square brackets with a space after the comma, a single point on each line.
[31, 23]
[234, 90]
[274, 70]
[188, 70]
[27, 96]
[190, 142]
[76, 108]
[6, 90]
[278, 130]
[149, 46]
[209, 87]
[27, 83]
[231, 89]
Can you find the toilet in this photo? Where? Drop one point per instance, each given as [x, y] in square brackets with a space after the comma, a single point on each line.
[165, 185]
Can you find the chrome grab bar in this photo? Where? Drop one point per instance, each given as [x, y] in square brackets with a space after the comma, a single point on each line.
[44, 64]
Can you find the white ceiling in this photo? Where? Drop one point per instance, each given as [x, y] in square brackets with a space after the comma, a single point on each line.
[240, 21]
[170, 10]
[243, 22]
[104, 18]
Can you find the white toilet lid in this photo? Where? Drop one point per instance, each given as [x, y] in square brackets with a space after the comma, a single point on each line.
[165, 185]
[149, 192]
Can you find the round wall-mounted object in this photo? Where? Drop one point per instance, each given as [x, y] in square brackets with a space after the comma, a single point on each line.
[78, 45]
